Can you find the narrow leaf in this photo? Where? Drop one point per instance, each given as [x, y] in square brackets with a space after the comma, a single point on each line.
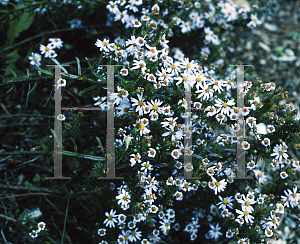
[13, 72]
[79, 67]
[62, 68]
[34, 87]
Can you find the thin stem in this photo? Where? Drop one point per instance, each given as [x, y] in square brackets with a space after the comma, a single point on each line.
[43, 34]
[27, 115]
[27, 153]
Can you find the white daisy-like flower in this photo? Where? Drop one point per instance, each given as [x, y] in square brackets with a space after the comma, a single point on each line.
[165, 225]
[101, 232]
[56, 42]
[111, 218]
[46, 49]
[41, 226]
[279, 153]
[260, 176]
[124, 108]
[151, 152]
[139, 103]
[154, 105]
[136, 159]
[176, 153]
[124, 199]
[251, 165]
[175, 135]
[284, 175]
[104, 45]
[124, 72]
[229, 233]
[217, 186]
[61, 117]
[35, 57]
[266, 142]
[34, 234]
[268, 232]
[147, 166]
[279, 208]
[224, 106]
[61, 83]
[112, 7]
[270, 128]
[215, 231]
[245, 145]
[122, 218]
[205, 92]
[139, 64]
[135, 235]
[246, 215]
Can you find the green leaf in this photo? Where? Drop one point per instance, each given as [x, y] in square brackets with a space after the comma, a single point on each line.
[56, 62]
[13, 72]
[90, 88]
[3, 79]
[79, 67]
[34, 87]
[92, 68]
[20, 24]
[43, 70]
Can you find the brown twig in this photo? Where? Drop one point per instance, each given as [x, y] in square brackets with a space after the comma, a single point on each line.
[4, 108]
[8, 218]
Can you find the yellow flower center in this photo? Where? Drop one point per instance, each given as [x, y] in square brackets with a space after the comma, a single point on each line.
[218, 184]
[140, 103]
[110, 217]
[225, 201]
[155, 107]
[259, 175]
[47, 48]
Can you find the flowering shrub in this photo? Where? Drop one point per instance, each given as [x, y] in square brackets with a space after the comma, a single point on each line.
[155, 200]
[150, 130]
[208, 22]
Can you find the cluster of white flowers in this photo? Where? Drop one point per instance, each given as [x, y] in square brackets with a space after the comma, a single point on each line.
[34, 233]
[189, 17]
[48, 51]
[137, 54]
